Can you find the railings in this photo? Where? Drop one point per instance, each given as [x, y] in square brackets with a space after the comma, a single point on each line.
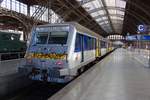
[11, 55]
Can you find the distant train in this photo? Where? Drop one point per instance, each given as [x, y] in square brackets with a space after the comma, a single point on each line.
[10, 43]
[57, 52]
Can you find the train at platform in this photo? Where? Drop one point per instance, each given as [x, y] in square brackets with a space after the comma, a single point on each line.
[10, 45]
[57, 52]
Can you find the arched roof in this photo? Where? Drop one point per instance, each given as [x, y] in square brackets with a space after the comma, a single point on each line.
[102, 16]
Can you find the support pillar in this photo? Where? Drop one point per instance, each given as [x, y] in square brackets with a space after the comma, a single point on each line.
[149, 58]
[28, 10]
[24, 35]
[19, 7]
[10, 4]
[49, 12]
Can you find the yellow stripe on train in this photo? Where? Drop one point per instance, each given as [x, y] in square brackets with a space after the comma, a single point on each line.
[47, 56]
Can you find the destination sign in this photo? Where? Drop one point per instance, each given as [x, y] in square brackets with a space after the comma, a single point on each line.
[138, 37]
[146, 37]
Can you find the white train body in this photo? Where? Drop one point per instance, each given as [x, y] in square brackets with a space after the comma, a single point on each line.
[57, 51]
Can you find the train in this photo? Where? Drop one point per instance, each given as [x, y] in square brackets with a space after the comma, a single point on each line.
[56, 52]
[10, 44]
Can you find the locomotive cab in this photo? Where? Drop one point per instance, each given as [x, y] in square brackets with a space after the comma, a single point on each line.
[47, 54]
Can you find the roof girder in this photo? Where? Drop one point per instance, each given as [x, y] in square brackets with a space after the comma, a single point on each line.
[108, 7]
[117, 15]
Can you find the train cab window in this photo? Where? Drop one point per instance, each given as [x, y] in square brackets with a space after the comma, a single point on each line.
[58, 37]
[42, 38]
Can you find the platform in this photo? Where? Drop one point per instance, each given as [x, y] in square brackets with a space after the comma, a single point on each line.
[117, 77]
[141, 55]
[10, 66]
[10, 79]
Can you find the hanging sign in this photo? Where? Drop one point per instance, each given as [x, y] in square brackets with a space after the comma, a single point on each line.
[142, 28]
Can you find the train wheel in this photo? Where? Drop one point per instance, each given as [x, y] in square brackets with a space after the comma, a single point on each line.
[81, 70]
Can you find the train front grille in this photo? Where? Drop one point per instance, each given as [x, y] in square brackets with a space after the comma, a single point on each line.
[54, 73]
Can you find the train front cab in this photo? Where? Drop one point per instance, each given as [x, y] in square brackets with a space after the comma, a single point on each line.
[58, 60]
[48, 54]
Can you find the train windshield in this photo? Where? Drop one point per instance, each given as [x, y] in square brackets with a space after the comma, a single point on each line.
[58, 37]
[42, 38]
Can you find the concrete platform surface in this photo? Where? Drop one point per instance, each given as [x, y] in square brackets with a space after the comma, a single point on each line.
[10, 66]
[10, 79]
[118, 77]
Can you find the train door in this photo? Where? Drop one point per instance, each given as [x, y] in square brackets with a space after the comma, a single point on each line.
[82, 48]
[79, 47]
[107, 46]
[97, 47]
[99, 41]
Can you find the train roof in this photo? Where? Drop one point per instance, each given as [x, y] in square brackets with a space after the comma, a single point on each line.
[75, 24]
[84, 29]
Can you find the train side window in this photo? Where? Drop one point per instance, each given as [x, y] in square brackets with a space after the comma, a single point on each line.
[85, 42]
[89, 43]
[78, 43]
[93, 43]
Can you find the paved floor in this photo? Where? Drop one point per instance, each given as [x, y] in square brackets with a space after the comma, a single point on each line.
[10, 79]
[141, 55]
[118, 77]
[10, 66]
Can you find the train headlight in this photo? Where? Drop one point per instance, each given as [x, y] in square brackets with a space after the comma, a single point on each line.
[59, 64]
[29, 59]
[28, 55]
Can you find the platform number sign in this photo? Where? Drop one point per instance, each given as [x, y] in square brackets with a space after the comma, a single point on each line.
[141, 28]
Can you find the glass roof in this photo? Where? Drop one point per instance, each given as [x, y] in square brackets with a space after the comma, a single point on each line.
[106, 13]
